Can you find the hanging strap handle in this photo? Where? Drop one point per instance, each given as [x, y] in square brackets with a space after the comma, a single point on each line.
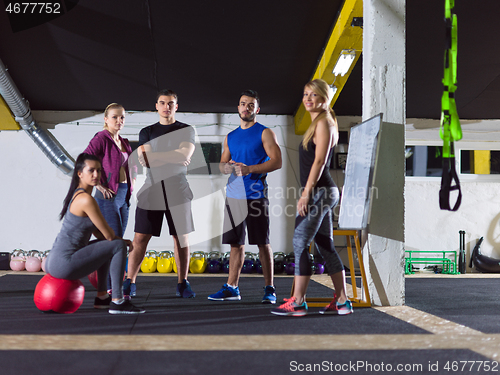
[449, 175]
[450, 129]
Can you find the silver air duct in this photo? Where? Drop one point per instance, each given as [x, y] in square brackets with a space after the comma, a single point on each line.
[21, 110]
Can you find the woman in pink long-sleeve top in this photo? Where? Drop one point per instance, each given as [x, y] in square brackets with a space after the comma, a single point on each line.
[115, 188]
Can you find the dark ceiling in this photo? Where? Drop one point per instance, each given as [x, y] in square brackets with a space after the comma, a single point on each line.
[209, 51]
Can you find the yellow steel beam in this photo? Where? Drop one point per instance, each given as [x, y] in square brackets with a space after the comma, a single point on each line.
[7, 121]
[343, 36]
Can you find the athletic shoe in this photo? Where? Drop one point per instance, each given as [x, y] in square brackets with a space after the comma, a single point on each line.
[129, 289]
[125, 307]
[335, 308]
[227, 293]
[269, 295]
[102, 303]
[184, 290]
[290, 308]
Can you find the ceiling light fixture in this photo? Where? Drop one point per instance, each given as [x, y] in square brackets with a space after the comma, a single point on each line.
[344, 62]
[334, 89]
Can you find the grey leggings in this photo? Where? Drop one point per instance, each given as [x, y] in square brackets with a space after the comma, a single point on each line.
[100, 255]
[317, 225]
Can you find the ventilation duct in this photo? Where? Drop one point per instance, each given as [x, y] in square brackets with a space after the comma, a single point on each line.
[21, 110]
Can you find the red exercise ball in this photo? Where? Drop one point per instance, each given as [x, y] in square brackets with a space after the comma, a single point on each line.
[59, 295]
[93, 278]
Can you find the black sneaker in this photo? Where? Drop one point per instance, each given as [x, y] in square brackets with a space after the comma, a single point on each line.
[124, 308]
[102, 303]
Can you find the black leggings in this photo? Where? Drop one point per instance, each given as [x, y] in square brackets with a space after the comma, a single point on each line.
[317, 225]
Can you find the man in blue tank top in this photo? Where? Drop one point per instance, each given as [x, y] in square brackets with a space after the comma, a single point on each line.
[250, 152]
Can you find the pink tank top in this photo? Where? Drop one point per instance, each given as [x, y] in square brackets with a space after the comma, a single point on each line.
[125, 159]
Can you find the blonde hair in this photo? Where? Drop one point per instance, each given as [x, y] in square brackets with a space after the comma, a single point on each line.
[108, 108]
[321, 88]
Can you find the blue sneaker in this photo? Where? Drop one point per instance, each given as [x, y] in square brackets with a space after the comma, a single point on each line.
[129, 289]
[227, 293]
[269, 295]
[184, 290]
[290, 308]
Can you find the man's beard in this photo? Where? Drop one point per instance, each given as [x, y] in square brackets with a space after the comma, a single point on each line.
[248, 118]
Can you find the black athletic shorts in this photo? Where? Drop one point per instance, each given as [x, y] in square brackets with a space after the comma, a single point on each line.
[243, 214]
[179, 220]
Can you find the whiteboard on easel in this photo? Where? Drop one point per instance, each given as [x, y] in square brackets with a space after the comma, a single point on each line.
[356, 193]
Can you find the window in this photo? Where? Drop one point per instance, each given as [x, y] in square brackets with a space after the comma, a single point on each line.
[424, 161]
[212, 153]
[479, 162]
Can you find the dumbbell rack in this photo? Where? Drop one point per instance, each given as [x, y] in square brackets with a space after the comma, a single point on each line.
[356, 301]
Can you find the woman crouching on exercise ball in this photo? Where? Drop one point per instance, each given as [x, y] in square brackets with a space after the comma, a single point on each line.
[315, 206]
[74, 256]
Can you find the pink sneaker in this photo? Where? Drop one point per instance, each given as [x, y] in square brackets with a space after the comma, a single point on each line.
[335, 308]
[290, 308]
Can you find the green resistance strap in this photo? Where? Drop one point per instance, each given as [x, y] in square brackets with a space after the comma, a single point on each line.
[449, 130]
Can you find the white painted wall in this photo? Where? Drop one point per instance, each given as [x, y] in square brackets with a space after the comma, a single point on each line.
[428, 227]
[32, 188]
